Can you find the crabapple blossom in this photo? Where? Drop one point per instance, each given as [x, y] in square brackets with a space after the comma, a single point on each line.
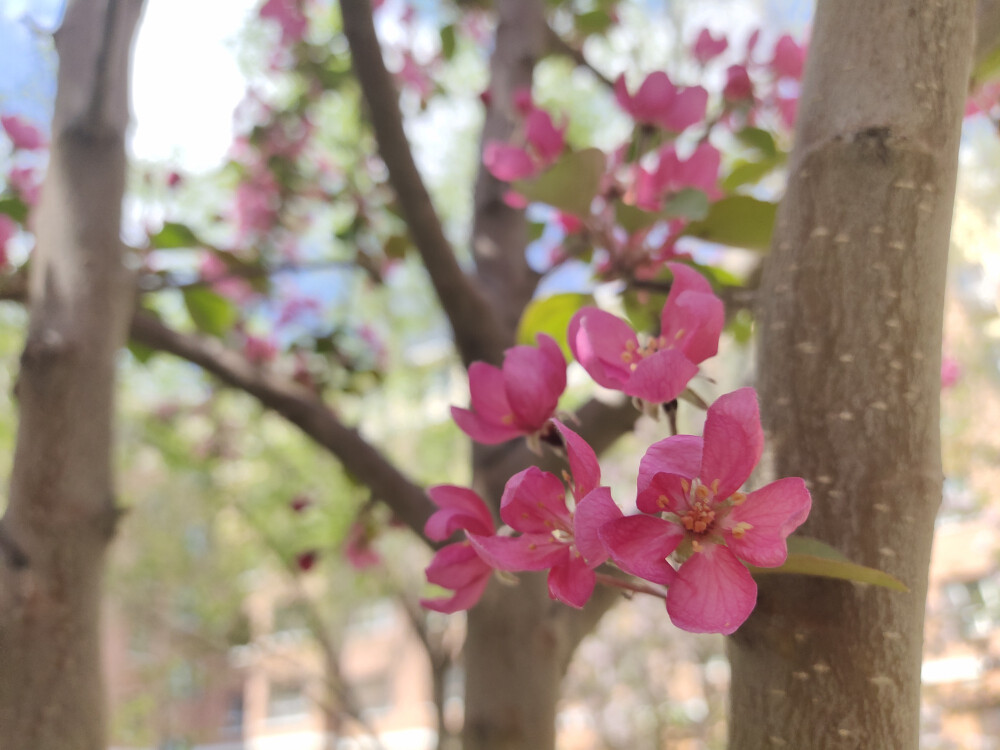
[457, 566]
[517, 399]
[658, 102]
[707, 524]
[552, 536]
[700, 170]
[657, 369]
[544, 142]
[707, 47]
[23, 135]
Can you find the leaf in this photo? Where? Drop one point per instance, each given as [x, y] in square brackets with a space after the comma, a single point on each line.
[592, 22]
[15, 208]
[211, 313]
[551, 315]
[396, 247]
[141, 352]
[570, 185]
[739, 221]
[759, 139]
[448, 41]
[174, 235]
[807, 556]
[688, 204]
[749, 172]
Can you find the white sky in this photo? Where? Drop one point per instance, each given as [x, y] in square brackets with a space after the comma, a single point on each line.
[186, 82]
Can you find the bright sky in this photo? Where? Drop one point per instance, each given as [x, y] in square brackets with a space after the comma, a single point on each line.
[185, 79]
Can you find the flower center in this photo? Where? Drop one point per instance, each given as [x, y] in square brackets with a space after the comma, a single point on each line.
[700, 517]
[636, 351]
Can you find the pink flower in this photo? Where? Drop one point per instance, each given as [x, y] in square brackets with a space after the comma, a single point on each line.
[259, 350]
[23, 135]
[552, 536]
[215, 271]
[700, 170]
[518, 399]
[26, 183]
[457, 566]
[707, 47]
[289, 16]
[951, 371]
[8, 230]
[739, 87]
[358, 546]
[709, 525]
[544, 143]
[658, 369]
[789, 58]
[257, 203]
[659, 102]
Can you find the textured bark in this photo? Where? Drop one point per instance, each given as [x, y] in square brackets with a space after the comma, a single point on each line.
[850, 347]
[61, 513]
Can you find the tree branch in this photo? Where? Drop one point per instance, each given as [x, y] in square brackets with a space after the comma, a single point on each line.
[301, 407]
[559, 46]
[987, 30]
[477, 332]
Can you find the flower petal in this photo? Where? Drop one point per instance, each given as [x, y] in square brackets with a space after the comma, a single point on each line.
[661, 377]
[713, 592]
[640, 545]
[598, 340]
[592, 513]
[772, 513]
[508, 163]
[464, 598]
[459, 508]
[534, 501]
[665, 492]
[455, 565]
[583, 463]
[525, 552]
[483, 430]
[685, 109]
[678, 454]
[534, 379]
[571, 581]
[734, 441]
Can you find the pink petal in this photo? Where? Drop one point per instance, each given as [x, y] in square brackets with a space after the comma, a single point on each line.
[592, 513]
[678, 454]
[686, 279]
[534, 502]
[464, 598]
[483, 430]
[526, 552]
[488, 396]
[701, 170]
[655, 99]
[547, 140]
[534, 379]
[706, 47]
[572, 581]
[789, 58]
[508, 163]
[734, 441]
[598, 340]
[456, 565]
[687, 108]
[661, 377]
[22, 134]
[665, 492]
[583, 463]
[641, 544]
[713, 592]
[459, 508]
[773, 512]
[696, 324]
[622, 95]
[738, 86]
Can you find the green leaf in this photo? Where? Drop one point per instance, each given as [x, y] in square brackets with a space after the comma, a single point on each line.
[212, 313]
[174, 235]
[141, 352]
[807, 556]
[396, 246]
[15, 208]
[551, 315]
[592, 22]
[749, 172]
[689, 203]
[759, 139]
[739, 221]
[448, 41]
[570, 185]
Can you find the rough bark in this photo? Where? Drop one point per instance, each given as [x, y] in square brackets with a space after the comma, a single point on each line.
[61, 512]
[850, 347]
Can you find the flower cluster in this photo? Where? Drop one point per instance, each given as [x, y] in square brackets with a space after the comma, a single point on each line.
[695, 531]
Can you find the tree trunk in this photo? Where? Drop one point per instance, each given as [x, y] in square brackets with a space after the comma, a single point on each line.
[61, 512]
[850, 346]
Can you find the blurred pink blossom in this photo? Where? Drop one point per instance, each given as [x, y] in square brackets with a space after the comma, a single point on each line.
[23, 135]
[707, 47]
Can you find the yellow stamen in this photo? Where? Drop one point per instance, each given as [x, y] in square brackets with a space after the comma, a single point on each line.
[740, 530]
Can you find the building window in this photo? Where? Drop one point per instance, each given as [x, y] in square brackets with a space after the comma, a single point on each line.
[976, 605]
[286, 700]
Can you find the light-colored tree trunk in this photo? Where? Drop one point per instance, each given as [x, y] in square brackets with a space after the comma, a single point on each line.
[850, 348]
[61, 512]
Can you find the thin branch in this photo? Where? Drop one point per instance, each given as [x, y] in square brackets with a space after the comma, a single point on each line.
[477, 332]
[300, 406]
